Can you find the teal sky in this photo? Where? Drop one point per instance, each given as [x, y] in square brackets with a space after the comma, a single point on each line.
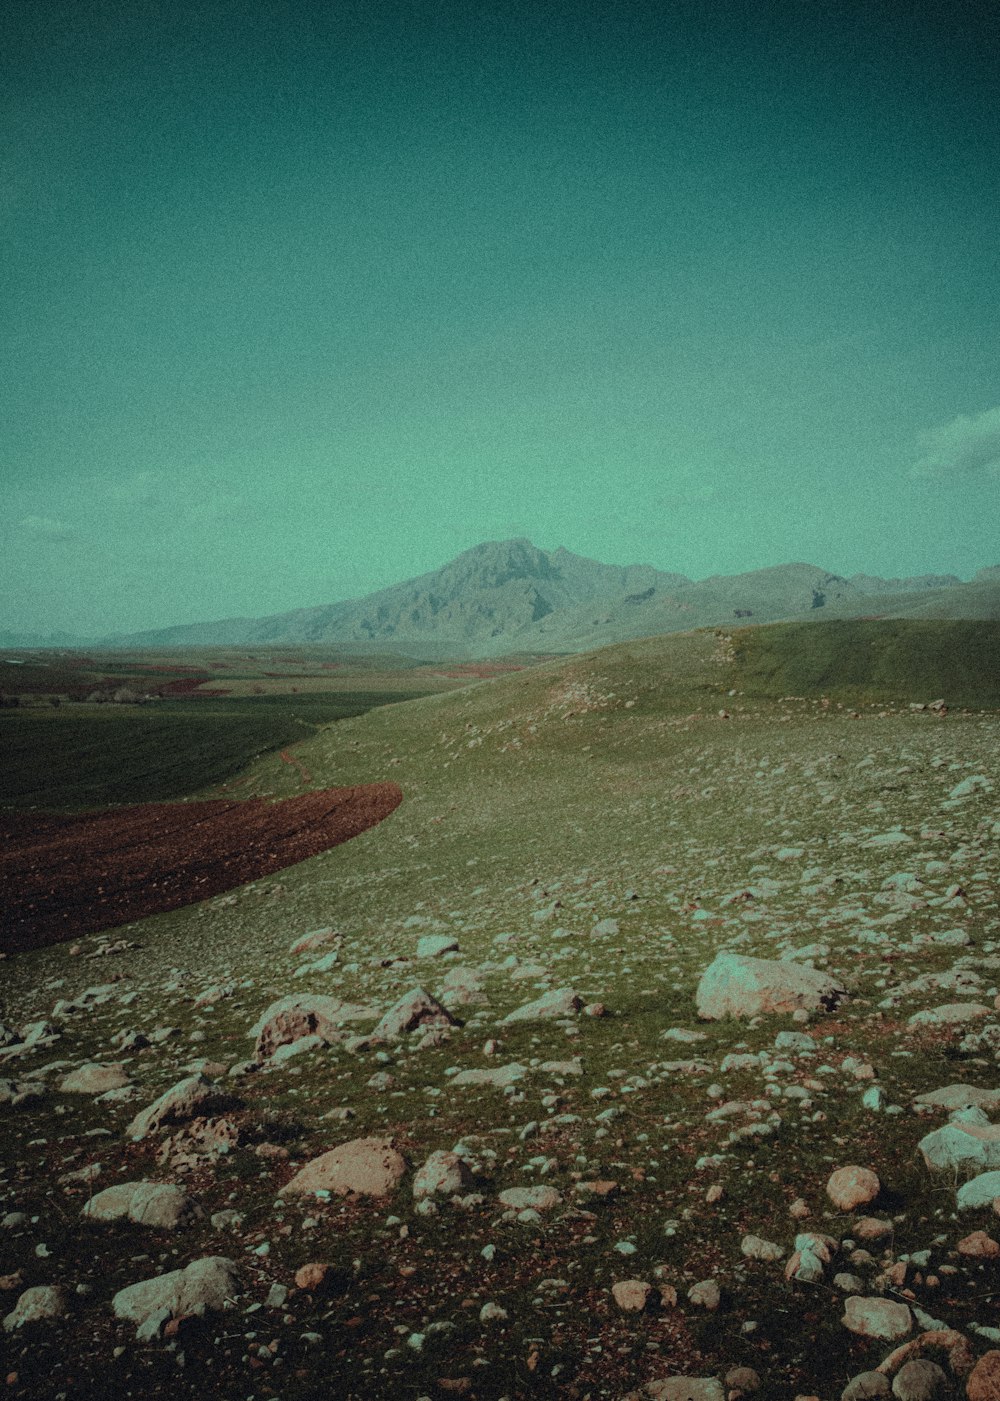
[298, 300]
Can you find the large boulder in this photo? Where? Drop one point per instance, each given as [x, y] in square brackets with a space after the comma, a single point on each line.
[157, 1204]
[94, 1079]
[966, 1147]
[207, 1284]
[196, 1095]
[371, 1167]
[302, 1014]
[954, 1097]
[981, 1191]
[737, 986]
[415, 1008]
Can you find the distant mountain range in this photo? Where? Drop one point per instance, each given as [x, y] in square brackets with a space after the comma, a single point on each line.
[509, 596]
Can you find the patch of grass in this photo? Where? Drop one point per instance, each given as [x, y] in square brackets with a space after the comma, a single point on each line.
[99, 756]
[870, 660]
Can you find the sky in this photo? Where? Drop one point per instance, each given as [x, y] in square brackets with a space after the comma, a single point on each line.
[299, 300]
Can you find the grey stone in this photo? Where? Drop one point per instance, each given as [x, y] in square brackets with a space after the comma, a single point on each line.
[560, 1002]
[94, 1079]
[434, 945]
[195, 1095]
[39, 1304]
[415, 1008]
[963, 1147]
[686, 1389]
[979, 1192]
[156, 1204]
[736, 986]
[919, 1380]
[502, 1076]
[960, 1097]
[206, 1284]
[530, 1198]
[877, 1318]
[443, 1174]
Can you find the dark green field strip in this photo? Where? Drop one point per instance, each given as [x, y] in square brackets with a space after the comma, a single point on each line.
[64, 759]
[885, 659]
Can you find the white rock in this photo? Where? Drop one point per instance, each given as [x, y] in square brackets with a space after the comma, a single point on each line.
[877, 1318]
[209, 1283]
[560, 1002]
[980, 1192]
[737, 986]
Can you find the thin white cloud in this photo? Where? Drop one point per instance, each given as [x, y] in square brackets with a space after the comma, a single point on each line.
[46, 528]
[968, 445]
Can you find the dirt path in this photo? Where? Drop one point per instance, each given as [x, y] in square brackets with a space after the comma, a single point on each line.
[67, 875]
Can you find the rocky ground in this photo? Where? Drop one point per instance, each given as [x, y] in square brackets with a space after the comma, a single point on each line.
[673, 1078]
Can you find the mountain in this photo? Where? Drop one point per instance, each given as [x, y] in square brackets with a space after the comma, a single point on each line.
[509, 596]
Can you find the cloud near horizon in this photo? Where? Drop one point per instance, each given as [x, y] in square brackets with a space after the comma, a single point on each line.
[962, 447]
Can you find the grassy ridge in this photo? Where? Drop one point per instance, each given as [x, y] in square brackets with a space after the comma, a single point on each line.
[868, 660]
[95, 755]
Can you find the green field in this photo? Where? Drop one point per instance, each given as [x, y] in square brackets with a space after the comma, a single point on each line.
[90, 756]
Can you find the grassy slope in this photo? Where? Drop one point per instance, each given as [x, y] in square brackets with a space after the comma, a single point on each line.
[610, 784]
[873, 660]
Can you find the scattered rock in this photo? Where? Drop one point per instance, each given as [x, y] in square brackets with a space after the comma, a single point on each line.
[155, 1204]
[298, 1015]
[414, 1008]
[979, 1246]
[500, 1078]
[93, 1079]
[38, 1304]
[207, 1284]
[736, 986]
[434, 945]
[443, 1174]
[560, 1002]
[632, 1295]
[530, 1198]
[866, 1385]
[920, 1380]
[952, 1014]
[877, 1318]
[756, 1248]
[962, 1148]
[706, 1294]
[984, 1380]
[686, 1389]
[979, 1192]
[182, 1101]
[370, 1167]
[852, 1186]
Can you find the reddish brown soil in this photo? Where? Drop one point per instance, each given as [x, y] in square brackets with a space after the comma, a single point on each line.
[67, 875]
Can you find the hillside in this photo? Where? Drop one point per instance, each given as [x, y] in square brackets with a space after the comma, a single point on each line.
[570, 1176]
[506, 596]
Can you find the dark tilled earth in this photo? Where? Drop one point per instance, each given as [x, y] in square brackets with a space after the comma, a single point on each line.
[68, 875]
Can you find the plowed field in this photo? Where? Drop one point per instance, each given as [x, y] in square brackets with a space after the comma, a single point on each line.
[67, 875]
